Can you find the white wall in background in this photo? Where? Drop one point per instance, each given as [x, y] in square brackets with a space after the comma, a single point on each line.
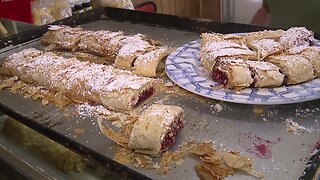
[245, 9]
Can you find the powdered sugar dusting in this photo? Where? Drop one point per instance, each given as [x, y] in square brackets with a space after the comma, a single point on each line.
[83, 80]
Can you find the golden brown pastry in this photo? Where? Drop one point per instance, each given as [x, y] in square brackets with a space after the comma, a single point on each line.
[156, 128]
[266, 34]
[232, 73]
[295, 37]
[296, 68]
[265, 47]
[265, 74]
[312, 53]
[97, 42]
[63, 37]
[150, 63]
[83, 81]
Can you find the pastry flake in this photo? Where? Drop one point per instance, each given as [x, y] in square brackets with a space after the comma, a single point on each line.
[156, 128]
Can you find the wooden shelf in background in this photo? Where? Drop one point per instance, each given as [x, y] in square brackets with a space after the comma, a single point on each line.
[208, 9]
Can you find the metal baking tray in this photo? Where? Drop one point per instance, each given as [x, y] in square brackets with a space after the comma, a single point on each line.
[233, 128]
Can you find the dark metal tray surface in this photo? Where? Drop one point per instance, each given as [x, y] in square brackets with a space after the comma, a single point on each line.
[236, 127]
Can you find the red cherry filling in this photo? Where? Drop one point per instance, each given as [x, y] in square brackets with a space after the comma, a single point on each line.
[219, 76]
[144, 95]
[170, 136]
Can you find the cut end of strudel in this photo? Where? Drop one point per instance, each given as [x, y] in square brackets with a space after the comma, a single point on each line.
[238, 73]
[232, 73]
[156, 128]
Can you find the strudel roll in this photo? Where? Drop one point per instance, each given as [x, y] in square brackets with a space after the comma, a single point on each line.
[266, 34]
[156, 128]
[295, 37]
[265, 74]
[83, 81]
[312, 53]
[215, 50]
[151, 62]
[130, 50]
[63, 37]
[232, 73]
[97, 42]
[265, 47]
[296, 68]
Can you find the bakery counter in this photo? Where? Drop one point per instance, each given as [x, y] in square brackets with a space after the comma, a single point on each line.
[280, 139]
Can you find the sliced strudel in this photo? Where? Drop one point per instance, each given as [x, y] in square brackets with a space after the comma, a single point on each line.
[151, 62]
[130, 50]
[265, 74]
[295, 37]
[114, 88]
[265, 47]
[215, 50]
[296, 68]
[312, 53]
[156, 128]
[232, 73]
[97, 42]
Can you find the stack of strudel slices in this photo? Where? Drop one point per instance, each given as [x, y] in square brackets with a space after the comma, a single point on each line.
[137, 53]
[114, 88]
[261, 59]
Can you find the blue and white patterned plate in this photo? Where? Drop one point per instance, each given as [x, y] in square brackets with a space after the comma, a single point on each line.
[183, 67]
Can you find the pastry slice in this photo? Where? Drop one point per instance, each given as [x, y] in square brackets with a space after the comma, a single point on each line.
[265, 47]
[266, 34]
[156, 128]
[213, 51]
[295, 37]
[97, 42]
[232, 73]
[265, 74]
[128, 53]
[150, 63]
[312, 53]
[296, 68]
[216, 37]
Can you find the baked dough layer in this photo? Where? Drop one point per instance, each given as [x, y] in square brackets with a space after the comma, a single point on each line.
[156, 128]
[83, 81]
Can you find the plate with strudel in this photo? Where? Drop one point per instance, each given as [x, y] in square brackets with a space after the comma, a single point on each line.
[264, 67]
